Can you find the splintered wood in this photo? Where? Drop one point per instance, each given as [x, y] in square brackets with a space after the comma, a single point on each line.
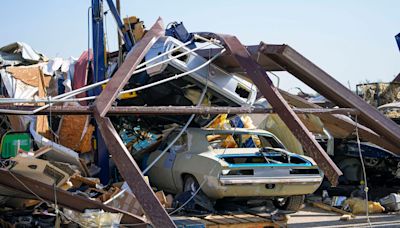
[75, 132]
[29, 75]
[86, 143]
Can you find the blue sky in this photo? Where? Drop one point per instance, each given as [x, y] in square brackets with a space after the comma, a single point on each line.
[351, 40]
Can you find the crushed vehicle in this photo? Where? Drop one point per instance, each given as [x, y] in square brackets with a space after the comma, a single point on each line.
[240, 163]
[379, 93]
[391, 110]
[381, 165]
[223, 88]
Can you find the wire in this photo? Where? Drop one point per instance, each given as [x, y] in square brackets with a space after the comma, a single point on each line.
[174, 77]
[203, 182]
[277, 77]
[212, 170]
[88, 37]
[65, 96]
[85, 88]
[9, 111]
[364, 173]
[181, 132]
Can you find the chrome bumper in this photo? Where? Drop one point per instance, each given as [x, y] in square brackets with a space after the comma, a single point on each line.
[224, 180]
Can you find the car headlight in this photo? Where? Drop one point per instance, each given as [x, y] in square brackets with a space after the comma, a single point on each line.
[225, 171]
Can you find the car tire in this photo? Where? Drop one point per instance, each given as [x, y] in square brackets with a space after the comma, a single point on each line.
[351, 168]
[291, 203]
[190, 183]
[202, 201]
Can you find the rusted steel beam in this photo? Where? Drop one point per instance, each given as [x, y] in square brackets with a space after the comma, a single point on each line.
[64, 198]
[323, 83]
[124, 72]
[177, 110]
[132, 174]
[340, 126]
[123, 159]
[260, 78]
[397, 78]
[229, 64]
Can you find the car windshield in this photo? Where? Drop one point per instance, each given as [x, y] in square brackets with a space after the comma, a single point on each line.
[391, 112]
[242, 140]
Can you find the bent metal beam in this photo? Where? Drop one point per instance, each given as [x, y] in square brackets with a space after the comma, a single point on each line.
[260, 78]
[175, 110]
[306, 71]
[126, 165]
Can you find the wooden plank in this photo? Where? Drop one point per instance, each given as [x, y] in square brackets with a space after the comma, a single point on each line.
[250, 217]
[219, 219]
[330, 208]
[229, 221]
[240, 220]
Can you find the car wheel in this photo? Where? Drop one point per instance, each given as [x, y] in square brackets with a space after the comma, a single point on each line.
[291, 203]
[352, 170]
[201, 200]
[190, 184]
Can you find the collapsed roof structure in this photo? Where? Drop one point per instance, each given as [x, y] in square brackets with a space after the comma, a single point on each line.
[250, 62]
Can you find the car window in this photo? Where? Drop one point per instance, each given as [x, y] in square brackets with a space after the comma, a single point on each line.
[391, 112]
[181, 144]
[220, 141]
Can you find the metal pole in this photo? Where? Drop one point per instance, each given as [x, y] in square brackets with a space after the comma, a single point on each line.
[102, 156]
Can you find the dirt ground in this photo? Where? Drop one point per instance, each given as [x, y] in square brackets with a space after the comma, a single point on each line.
[314, 217]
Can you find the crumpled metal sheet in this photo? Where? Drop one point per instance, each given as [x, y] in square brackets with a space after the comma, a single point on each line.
[18, 53]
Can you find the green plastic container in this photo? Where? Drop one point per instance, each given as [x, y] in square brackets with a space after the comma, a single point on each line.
[10, 141]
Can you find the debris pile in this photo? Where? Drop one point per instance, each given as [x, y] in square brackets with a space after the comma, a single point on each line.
[73, 150]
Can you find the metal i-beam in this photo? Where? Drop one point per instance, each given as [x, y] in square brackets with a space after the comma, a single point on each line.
[260, 78]
[323, 83]
[64, 198]
[121, 77]
[121, 29]
[175, 110]
[124, 161]
[397, 78]
[99, 68]
[132, 174]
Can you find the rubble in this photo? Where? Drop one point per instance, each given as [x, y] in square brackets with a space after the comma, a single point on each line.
[58, 128]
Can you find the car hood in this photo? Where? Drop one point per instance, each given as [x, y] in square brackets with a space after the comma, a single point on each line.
[217, 154]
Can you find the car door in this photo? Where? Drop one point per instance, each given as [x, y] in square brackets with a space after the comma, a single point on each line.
[161, 174]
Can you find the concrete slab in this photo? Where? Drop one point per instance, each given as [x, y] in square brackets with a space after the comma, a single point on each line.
[314, 217]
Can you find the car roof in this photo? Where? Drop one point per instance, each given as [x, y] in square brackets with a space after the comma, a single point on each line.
[390, 105]
[230, 131]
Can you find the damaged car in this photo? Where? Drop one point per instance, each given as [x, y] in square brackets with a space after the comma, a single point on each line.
[223, 88]
[234, 163]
